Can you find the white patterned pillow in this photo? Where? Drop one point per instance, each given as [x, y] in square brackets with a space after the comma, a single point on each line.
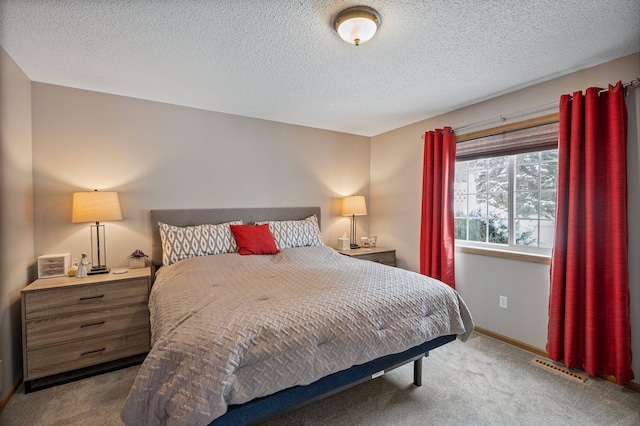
[190, 241]
[295, 233]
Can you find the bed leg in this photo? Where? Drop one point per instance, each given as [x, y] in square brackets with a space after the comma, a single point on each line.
[417, 372]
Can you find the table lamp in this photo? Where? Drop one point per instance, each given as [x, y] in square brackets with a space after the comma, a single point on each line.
[96, 206]
[354, 206]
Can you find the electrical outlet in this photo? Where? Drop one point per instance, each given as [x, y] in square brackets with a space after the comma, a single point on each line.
[503, 302]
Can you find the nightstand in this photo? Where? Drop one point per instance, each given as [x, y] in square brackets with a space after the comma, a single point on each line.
[376, 254]
[71, 323]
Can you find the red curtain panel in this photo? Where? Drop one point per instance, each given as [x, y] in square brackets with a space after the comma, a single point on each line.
[437, 227]
[589, 325]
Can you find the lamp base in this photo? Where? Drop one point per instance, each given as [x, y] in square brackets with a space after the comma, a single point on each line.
[355, 246]
[98, 270]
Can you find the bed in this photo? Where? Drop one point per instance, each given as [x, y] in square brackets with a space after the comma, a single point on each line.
[237, 338]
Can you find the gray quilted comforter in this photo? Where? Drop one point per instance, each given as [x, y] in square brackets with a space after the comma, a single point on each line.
[230, 328]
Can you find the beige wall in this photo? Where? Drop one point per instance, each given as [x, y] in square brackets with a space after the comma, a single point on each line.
[16, 213]
[160, 156]
[396, 181]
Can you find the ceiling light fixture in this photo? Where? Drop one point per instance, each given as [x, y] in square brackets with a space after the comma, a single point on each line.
[357, 24]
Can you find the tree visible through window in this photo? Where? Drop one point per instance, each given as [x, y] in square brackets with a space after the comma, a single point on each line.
[507, 199]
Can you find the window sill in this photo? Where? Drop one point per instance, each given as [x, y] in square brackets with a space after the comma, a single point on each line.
[505, 254]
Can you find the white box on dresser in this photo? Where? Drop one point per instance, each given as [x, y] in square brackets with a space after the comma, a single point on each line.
[70, 323]
[53, 265]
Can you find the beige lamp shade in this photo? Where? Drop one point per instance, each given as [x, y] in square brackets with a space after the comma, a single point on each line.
[354, 206]
[95, 206]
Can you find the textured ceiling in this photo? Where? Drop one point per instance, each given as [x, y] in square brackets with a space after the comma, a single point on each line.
[281, 60]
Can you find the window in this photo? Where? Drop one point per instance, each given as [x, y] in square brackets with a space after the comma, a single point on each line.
[507, 200]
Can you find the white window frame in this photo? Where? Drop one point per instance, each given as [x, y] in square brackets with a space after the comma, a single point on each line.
[511, 244]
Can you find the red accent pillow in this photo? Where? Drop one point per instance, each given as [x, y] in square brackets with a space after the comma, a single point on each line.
[254, 239]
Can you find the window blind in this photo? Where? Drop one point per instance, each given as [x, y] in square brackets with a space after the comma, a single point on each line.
[538, 138]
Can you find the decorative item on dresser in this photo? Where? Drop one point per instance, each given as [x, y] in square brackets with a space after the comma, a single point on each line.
[73, 323]
[382, 255]
[343, 243]
[82, 268]
[137, 259]
[53, 265]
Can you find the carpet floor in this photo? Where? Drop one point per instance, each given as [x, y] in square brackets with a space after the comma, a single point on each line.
[481, 382]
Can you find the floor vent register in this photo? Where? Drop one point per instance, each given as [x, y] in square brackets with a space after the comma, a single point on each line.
[563, 371]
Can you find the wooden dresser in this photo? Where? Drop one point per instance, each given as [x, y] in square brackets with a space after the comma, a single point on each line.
[72, 323]
[382, 255]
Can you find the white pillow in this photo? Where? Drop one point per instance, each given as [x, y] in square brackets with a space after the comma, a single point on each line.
[295, 233]
[201, 240]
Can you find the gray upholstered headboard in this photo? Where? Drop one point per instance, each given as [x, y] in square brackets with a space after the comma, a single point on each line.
[189, 217]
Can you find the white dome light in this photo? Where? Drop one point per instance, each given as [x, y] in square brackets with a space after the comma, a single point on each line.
[357, 24]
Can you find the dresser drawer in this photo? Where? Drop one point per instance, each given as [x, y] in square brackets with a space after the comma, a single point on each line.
[51, 268]
[84, 353]
[83, 298]
[388, 258]
[59, 329]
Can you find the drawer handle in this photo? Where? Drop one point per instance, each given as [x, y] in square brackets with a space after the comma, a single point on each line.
[92, 324]
[93, 352]
[92, 297]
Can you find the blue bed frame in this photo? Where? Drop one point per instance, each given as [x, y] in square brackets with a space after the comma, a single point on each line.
[260, 409]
